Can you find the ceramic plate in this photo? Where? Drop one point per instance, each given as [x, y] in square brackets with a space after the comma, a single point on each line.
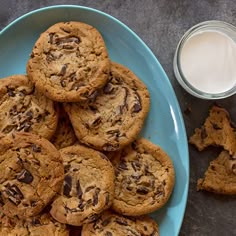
[164, 124]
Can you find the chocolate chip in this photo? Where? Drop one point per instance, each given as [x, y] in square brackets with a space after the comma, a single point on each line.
[107, 200]
[81, 206]
[67, 168]
[108, 88]
[142, 190]
[69, 47]
[122, 166]
[33, 203]
[1, 200]
[35, 222]
[108, 233]
[11, 92]
[129, 188]
[26, 126]
[96, 122]
[89, 188]
[67, 39]
[63, 70]
[14, 194]
[106, 222]
[116, 80]
[137, 105]
[78, 189]
[67, 185]
[25, 176]
[92, 217]
[124, 105]
[133, 233]
[36, 148]
[113, 133]
[95, 197]
[29, 114]
[136, 165]
[92, 97]
[51, 35]
[63, 83]
[121, 221]
[215, 126]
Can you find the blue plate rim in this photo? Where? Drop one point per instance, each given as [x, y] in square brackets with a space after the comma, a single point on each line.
[181, 124]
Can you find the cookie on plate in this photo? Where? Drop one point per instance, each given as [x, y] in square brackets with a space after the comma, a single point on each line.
[115, 115]
[69, 62]
[88, 186]
[31, 173]
[42, 224]
[64, 135]
[23, 108]
[217, 130]
[220, 176]
[144, 178]
[113, 224]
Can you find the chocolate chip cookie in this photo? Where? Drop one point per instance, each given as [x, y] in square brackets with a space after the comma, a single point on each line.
[23, 108]
[220, 176]
[144, 178]
[42, 224]
[69, 62]
[64, 135]
[31, 173]
[114, 116]
[217, 130]
[88, 186]
[112, 224]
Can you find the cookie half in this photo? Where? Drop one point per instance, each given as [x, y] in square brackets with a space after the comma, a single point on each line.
[88, 186]
[69, 62]
[144, 178]
[42, 224]
[115, 115]
[31, 173]
[64, 135]
[112, 224]
[220, 176]
[217, 130]
[23, 108]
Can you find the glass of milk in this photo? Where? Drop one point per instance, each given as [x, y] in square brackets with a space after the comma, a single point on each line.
[205, 60]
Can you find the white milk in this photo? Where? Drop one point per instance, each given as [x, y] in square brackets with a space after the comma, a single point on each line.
[208, 61]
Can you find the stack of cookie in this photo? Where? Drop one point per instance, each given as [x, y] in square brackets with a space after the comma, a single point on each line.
[70, 152]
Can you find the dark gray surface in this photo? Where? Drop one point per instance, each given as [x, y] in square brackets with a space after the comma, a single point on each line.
[160, 24]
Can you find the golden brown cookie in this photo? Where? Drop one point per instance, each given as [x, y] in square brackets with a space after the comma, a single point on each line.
[113, 224]
[220, 176]
[88, 186]
[31, 173]
[144, 178]
[42, 224]
[23, 108]
[64, 135]
[69, 62]
[115, 115]
[217, 130]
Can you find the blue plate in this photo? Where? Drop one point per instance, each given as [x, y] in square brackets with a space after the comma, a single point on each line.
[164, 124]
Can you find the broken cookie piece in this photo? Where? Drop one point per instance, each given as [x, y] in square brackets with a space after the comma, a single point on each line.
[218, 130]
[220, 176]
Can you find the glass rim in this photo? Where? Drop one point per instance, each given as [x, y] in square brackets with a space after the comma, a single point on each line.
[203, 26]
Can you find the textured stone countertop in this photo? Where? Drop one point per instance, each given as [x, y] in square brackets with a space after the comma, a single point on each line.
[160, 24]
